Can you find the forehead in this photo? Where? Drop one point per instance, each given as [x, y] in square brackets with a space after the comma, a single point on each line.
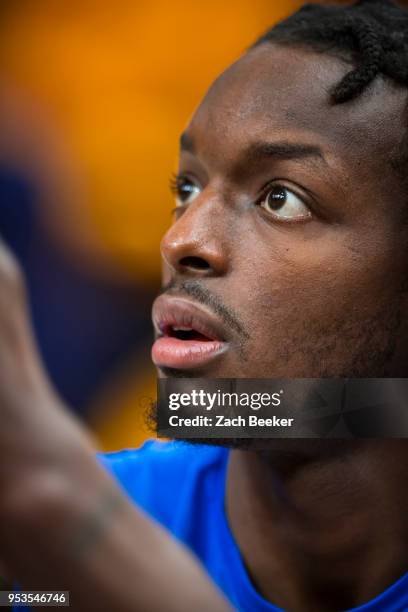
[277, 92]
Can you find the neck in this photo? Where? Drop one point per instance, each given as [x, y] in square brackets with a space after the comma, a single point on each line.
[324, 531]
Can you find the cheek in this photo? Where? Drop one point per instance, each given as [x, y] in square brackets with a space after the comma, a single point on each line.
[302, 289]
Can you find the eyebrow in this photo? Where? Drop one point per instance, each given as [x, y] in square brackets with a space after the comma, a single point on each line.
[282, 150]
[187, 143]
[263, 149]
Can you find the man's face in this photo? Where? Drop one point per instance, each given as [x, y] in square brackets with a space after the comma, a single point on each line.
[287, 257]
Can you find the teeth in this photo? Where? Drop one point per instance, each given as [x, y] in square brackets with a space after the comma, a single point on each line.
[181, 328]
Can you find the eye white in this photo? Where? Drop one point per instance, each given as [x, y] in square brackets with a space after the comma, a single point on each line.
[282, 203]
[187, 192]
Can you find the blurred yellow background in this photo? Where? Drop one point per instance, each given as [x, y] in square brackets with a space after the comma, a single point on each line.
[93, 98]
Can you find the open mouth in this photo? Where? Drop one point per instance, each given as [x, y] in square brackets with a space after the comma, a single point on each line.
[187, 336]
[185, 333]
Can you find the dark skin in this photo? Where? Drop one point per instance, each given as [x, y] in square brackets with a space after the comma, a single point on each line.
[334, 537]
[321, 294]
[316, 296]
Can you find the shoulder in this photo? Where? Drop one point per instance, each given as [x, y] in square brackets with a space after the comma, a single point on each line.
[155, 462]
[168, 479]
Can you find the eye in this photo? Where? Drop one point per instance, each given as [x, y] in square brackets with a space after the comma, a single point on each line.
[283, 203]
[184, 189]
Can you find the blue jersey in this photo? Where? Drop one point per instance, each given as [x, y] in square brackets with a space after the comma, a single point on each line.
[182, 486]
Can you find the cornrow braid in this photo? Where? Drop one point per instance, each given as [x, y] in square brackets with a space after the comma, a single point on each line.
[373, 32]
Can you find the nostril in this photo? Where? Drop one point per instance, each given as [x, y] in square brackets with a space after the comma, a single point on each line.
[195, 263]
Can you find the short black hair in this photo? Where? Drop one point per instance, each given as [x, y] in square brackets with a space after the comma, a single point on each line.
[373, 34]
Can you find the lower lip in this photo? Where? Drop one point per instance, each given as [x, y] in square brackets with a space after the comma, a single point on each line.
[184, 354]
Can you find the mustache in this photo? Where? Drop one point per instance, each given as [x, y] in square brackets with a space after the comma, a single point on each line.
[194, 289]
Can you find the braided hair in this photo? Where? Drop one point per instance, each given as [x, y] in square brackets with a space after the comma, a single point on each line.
[372, 34]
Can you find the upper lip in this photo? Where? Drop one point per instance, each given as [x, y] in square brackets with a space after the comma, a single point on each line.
[173, 311]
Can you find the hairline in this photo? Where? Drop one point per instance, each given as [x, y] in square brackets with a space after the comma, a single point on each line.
[398, 160]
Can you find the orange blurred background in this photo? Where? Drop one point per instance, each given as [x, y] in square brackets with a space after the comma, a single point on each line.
[93, 98]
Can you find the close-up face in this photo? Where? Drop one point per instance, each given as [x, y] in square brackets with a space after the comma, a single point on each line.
[287, 255]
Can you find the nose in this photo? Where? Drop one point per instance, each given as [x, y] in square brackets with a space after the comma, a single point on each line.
[197, 243]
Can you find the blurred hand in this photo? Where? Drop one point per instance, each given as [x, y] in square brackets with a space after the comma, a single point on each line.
[64, 523]
[36, 431]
